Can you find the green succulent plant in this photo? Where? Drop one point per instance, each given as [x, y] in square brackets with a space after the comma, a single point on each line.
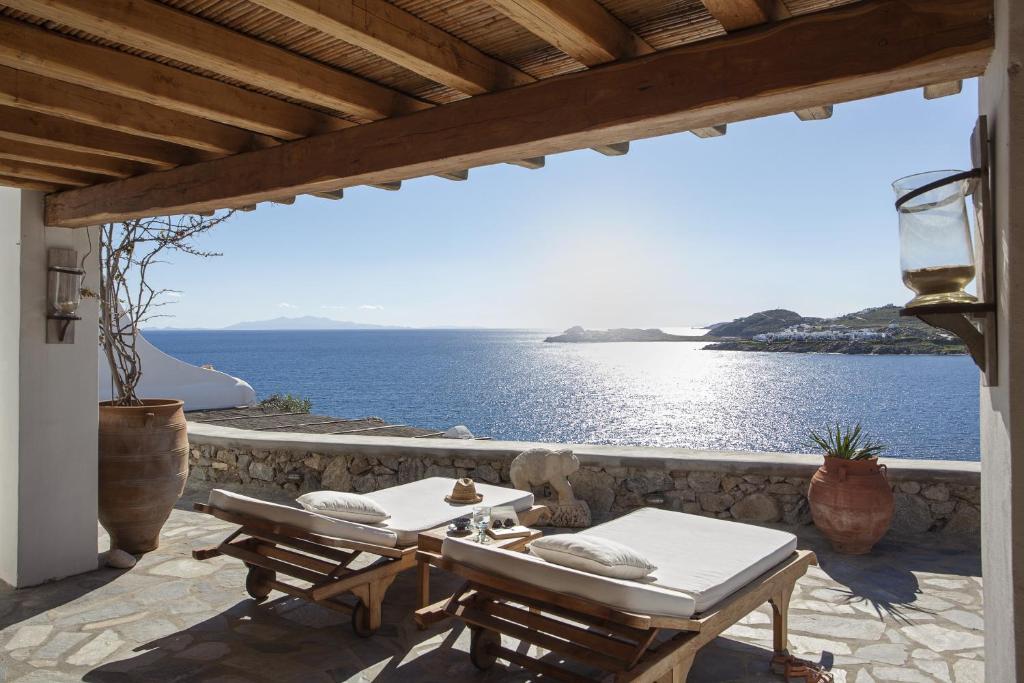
[847, 443]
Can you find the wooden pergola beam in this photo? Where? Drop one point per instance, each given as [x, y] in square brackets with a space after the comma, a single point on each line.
[404, 39]
[26, 184]
[532, 163]
[85, 105]
[710, 131]
[47, 174]
[42, 129]
[582, 29]
[616, 149]
[815, 113]
[66, 158]
[47, 54]
[153, 27]
[860, 50]
[739, 14]
[937, 90]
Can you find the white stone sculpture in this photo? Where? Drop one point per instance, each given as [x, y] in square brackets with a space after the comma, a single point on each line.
[540, 466]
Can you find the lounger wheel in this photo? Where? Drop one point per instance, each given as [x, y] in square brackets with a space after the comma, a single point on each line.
[483, 648]
[361, 620]
[257, 581]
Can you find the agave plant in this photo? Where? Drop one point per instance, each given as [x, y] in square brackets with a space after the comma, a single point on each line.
[846, 443]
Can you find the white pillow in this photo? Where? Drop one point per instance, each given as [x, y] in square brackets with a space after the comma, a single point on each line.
[592, 555]
[351, 507]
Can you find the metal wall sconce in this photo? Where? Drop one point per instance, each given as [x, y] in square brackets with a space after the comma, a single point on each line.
[937, 258]
[63, 295]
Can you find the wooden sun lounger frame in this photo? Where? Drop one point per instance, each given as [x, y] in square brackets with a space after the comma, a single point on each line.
[270, 549]
[618, 642]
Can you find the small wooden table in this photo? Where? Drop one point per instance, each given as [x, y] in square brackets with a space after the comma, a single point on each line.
[429, 554]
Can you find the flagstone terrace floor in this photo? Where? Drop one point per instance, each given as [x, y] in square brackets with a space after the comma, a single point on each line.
[911, 611]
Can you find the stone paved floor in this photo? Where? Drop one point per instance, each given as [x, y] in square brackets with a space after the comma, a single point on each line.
[909, 612]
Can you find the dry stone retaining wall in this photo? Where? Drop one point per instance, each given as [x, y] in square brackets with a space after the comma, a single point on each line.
[749, 487]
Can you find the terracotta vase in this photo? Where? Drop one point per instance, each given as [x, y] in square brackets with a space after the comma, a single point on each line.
[851, 503]
[143, 458]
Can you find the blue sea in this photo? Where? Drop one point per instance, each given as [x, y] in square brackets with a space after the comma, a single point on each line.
[508, 384]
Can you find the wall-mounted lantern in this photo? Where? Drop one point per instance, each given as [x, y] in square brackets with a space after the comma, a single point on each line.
[63, 295]
[936, 255]
[937, 258]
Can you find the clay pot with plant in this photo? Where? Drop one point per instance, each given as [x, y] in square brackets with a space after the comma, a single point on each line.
[143, 445]
[850, 497]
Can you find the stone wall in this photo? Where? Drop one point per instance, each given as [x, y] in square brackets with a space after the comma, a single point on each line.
[750, 487]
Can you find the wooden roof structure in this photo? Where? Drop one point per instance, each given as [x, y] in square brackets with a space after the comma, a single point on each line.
[128, 108]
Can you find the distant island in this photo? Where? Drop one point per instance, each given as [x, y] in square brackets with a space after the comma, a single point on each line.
[879, 330]
[306, 322]
[578, 335]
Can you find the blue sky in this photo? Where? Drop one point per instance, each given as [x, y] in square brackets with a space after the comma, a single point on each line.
[779, 213]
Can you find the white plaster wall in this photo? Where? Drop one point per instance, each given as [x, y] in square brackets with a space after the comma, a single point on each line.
[54, 400]
[10, 315]
[1002, 406]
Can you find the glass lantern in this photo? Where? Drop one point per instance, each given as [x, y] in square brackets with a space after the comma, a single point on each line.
[65, 287]
[936, 255]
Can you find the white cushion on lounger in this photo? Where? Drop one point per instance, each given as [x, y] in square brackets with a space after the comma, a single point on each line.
[704, 557]
[593, 554]
[420, 505]
[302, 519]
[351, 507]
[700, 562]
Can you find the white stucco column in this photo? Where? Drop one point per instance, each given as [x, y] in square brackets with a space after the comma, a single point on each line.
[48, 412]
[1002, 406]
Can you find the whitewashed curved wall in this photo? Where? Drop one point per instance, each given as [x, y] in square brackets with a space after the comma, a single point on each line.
[164, 376]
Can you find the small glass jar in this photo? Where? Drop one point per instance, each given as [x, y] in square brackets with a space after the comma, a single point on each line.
[65, 287]
[936, 255]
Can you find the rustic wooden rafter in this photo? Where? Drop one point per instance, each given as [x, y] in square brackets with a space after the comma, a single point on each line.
[710, 131]
[616, 149]
[43, 129]
[27, 184]
[47, 174]
[148, 25]
[937, 90]
[45, 53]
[532, 163]
[734, 15]
[860, 50]
[18, 150]
[582, 29]
[404, 39]
[85, 105]
[819, 113]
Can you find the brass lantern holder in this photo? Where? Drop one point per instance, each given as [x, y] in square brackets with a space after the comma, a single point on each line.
[973, 323]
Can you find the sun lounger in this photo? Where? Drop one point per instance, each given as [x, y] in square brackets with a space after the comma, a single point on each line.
[277, 540]
[710, 574]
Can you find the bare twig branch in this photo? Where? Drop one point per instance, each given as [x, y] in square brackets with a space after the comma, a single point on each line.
[127, 300]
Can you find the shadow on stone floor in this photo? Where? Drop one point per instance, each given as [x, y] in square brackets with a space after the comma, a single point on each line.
[886, 579]
[18, 605]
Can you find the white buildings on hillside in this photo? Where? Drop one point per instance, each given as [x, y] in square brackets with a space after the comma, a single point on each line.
[804, 332]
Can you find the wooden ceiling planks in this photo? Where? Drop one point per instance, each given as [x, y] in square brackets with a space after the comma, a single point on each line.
[109, 89]
[582, 29]
[156, 28]
[871, 48]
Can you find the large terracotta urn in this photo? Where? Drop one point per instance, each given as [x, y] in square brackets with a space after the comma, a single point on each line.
[143, 455]
[851, 503]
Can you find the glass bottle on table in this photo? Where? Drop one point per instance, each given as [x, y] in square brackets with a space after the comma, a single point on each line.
[481, 521]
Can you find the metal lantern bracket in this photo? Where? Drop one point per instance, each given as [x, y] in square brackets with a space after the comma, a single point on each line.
[973, 323]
